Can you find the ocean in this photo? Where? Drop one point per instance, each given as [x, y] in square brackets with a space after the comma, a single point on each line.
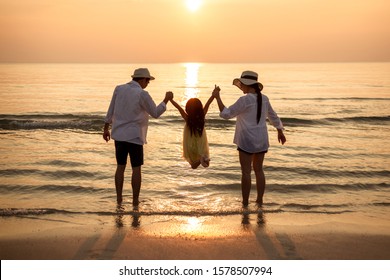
[55, 161]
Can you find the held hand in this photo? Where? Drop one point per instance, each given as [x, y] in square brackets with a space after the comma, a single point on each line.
[281, 138]
[106, 135]
[169, 95]
[216, 91]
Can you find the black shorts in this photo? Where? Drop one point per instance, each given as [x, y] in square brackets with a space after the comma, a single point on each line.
[241, 150]
[136, 152]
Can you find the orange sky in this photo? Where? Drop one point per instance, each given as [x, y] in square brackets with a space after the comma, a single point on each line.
[133, 31]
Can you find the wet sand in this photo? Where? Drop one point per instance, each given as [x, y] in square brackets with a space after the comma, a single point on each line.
[274, 236]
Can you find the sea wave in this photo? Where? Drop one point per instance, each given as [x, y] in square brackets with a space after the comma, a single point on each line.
[83, 122]
[209, 188]
[17, 212]
[63, 174]
[69, 189]
[94, 122]
[336, 98]
[288, 208]
[330, 173]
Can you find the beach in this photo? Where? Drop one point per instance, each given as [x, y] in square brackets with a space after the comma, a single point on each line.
[266, 236]
[327, 195]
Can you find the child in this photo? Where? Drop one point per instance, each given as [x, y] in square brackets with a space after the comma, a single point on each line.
[195, 144]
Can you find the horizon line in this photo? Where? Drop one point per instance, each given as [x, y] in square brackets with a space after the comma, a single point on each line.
[197, 62]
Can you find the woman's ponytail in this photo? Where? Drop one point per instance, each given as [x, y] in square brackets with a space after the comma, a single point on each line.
[259, 102]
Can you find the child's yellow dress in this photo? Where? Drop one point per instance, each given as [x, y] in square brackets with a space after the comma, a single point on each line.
[195, 147]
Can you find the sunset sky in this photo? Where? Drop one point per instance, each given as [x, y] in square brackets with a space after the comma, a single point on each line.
[133, 31]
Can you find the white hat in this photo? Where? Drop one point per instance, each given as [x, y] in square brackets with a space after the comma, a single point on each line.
[142, 73]
[247, 78]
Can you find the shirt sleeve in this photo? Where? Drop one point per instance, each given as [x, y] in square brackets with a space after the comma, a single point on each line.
[234, 110]
[273, 117]
[110, 112]
[150, 107]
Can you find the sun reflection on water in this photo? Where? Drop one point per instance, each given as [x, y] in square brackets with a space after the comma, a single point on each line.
[193, 224]
[191, 82]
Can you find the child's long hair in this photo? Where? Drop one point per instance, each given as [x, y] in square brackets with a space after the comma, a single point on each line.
[195, 120]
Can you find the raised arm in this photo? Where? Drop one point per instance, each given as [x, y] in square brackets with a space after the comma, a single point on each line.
[207, 105]
[216, 95]
[180, 109]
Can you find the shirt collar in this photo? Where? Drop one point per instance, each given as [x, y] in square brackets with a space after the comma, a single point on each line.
[134, 83]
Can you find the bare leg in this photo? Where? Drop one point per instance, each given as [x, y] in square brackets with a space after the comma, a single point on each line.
[119, 178]
[136, 184]
[246, 168]
[260, 177]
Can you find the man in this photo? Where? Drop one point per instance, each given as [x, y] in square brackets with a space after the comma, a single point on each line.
[128, 113]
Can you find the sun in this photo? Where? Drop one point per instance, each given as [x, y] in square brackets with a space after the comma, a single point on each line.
[193, 5]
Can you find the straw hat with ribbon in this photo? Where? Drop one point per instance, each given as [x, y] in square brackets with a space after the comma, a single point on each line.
[247, 78]
[142, 73]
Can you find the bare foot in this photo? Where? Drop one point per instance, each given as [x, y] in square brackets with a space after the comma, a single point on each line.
[205, 161]
[195, 164]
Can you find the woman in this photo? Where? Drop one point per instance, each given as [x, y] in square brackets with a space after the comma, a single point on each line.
[251, 135]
